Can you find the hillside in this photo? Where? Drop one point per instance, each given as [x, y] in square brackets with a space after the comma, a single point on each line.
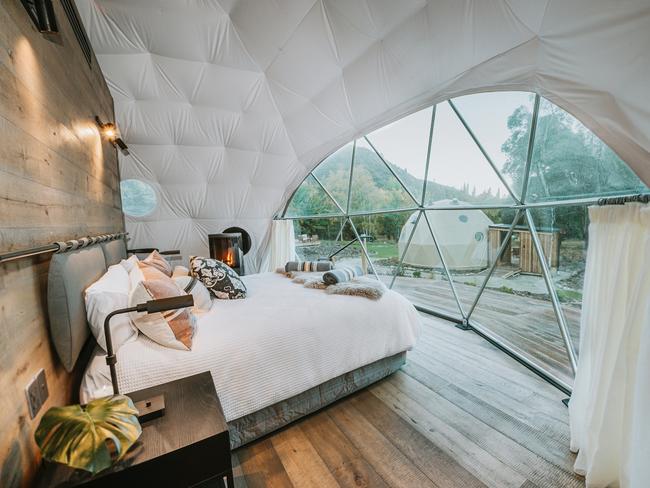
[366, 161]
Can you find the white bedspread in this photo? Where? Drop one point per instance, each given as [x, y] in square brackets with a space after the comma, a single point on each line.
[280, 341]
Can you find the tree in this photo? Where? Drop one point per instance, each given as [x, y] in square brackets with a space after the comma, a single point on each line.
[568, 161]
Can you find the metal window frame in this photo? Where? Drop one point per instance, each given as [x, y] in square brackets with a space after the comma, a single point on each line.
[522, 207]
[484, 152]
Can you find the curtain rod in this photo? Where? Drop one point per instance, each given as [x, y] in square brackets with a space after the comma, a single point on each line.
[640, 198]
[60, 247]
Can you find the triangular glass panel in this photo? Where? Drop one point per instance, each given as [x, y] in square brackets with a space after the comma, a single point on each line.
[403, 144]
[563, 234]
[349, 251]
[516, 305]
[311, 199]
[570, 162]
[457, 169]
[334, 174]
[317, 238]
[374, 187]
[383, 237]
[469, 240]
[500, 121]
[421, 277]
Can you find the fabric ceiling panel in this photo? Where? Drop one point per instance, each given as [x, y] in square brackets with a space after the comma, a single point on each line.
[289, 82]
[265, 25]
[178, 164]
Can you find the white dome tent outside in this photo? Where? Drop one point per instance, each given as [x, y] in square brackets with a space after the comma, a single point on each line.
[462, 236]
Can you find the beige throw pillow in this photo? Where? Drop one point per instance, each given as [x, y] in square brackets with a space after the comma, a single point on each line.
[173, 328]
[180, 271]
[156, 260]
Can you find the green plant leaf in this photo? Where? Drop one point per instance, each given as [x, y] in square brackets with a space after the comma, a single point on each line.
[89, 438]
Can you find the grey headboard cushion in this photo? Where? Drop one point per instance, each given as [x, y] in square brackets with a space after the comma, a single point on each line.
[114, 251]
[69, 275]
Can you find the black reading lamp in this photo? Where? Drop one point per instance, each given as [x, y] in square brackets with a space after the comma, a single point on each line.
[155, 406]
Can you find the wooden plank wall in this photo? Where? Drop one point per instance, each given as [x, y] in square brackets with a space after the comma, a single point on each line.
[58, 180]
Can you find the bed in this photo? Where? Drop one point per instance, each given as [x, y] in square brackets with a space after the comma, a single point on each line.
[283, 352]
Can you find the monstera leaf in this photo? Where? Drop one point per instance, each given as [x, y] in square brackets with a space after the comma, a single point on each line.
[90, 437]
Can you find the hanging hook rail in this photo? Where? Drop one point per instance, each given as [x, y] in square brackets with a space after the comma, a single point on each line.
[60, 247]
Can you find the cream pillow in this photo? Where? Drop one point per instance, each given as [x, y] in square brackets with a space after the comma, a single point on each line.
[180, 271]
[173, 328]
[107, 294]
[189, 284]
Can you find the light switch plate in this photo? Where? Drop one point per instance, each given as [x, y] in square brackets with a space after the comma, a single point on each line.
[36, 392]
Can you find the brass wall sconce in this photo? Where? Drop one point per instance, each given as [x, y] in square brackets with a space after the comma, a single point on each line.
[110, 132]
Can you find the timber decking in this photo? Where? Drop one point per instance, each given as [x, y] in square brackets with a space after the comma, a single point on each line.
[526, 323]
[460, 413]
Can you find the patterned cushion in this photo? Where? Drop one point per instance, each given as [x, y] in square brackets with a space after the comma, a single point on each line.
[218, 277]
[155, 260]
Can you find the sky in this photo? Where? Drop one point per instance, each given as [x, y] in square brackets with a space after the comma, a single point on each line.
[455, 159]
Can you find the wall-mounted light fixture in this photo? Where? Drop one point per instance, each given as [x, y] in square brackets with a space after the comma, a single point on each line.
[42, 14]
[110, 132]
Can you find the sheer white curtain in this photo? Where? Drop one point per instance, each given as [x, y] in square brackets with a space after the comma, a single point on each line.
[281, 247]
[610, 406]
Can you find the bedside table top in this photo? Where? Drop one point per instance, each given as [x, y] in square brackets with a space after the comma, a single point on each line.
[192, 414]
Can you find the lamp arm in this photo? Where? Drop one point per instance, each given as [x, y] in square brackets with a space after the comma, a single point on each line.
[151, 306]
[111, 359]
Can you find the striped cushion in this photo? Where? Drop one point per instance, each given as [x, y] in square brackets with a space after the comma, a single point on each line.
[342, 274]
[308, 266]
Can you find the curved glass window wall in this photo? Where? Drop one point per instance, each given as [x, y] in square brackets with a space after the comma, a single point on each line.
[453, 205]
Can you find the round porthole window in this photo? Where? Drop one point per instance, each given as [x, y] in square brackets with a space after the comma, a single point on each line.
[138, 198]
[463, 218]
[479, 236]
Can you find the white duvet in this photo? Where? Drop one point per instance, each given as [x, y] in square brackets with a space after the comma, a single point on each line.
[280, 341]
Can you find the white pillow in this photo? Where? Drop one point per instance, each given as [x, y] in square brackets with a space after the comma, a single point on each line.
[130, 263]
[135, 277]
[189, 284]
[107, 294]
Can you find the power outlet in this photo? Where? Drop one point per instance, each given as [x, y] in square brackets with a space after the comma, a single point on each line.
[36, 392]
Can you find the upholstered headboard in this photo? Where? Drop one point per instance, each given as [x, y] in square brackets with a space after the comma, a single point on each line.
[114, 251]
[71, 272]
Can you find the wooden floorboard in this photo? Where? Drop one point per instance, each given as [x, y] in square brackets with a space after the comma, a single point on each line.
[460, 413]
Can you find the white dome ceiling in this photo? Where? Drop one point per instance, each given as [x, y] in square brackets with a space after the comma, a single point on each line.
[226, 105]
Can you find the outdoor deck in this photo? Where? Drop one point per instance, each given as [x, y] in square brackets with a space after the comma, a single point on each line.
[525, 323]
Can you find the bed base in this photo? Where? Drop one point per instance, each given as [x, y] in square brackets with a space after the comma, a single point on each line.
[257, 424]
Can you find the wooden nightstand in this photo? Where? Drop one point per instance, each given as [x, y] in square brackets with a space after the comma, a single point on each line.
[187, 446]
